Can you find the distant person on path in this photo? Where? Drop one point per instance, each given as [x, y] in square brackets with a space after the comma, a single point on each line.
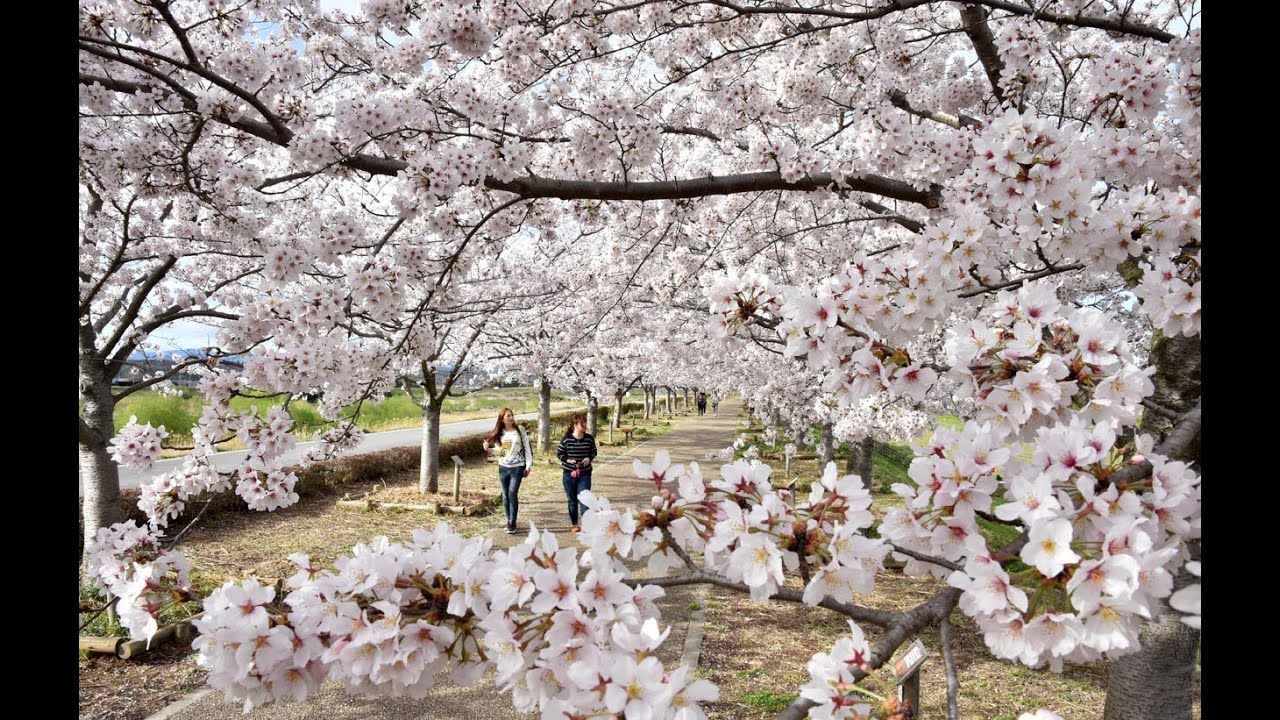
[702, 403]
[715, 404]
[577, 450]
[515, 460]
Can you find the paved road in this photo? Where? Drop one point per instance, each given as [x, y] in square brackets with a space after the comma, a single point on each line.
[372, 442]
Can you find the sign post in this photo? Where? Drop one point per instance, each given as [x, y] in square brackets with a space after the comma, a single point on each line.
[907, 672]
[457, 479]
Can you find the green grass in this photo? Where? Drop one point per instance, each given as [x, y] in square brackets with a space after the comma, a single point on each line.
[767, 701]
[180, 413]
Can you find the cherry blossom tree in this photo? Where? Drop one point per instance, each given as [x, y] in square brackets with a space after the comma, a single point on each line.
[896, 195]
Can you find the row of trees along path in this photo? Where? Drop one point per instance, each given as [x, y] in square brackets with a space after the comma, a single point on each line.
[690, 440]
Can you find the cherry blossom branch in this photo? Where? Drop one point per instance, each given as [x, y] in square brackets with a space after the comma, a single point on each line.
[1079, 20]
[539, 187]
[131, 312]
[675, 546]
[898, 99]
[533, 186]
[906, 625]
[984, 44]
[949, 661]
[879, 618]
[1017, 282]
[926, 558]
[159, 379]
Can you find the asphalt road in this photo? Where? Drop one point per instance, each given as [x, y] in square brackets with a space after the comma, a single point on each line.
[372, 442]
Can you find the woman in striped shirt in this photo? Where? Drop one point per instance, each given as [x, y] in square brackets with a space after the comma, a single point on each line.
[576, 451]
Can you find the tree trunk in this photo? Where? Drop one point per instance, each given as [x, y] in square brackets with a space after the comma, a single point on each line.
[828, 446]
[99, 472]
[429, 472]
[544, 415]
[648, 400]
[616, 420]
[593, 414]
[1158, 681]
[686, 399]
[860, 461]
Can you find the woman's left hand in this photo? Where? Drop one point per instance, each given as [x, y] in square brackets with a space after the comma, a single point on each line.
[526, 472]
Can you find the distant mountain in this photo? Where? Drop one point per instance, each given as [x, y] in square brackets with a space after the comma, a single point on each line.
[165, 356]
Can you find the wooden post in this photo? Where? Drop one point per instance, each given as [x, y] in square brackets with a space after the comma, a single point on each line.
[907, 672]
[457, 479]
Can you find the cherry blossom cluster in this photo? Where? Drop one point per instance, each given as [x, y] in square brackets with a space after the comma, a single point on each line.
[1170, 294]
[394, 616]
[1096, 552]
[833, 683]
[1030, 366]
[745, 529]
[137, 446]
[127, 561]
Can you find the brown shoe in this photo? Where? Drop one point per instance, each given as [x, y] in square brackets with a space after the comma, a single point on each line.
[576, 529]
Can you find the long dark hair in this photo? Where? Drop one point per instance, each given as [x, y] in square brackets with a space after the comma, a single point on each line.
[498, 427]
[574, 419]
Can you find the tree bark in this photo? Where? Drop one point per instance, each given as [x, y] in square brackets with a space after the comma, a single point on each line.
[1158, 681]
[593, 414]
[686, 399]
[101, 475]
[828, 446]
[429, 472]
[860, 461]
[648, 401]
[544, 415]
[616, 420]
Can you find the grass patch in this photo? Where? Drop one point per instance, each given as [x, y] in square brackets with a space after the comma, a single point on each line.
[767, 701]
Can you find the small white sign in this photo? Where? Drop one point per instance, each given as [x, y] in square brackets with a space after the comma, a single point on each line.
[910, 660]
[457, 461]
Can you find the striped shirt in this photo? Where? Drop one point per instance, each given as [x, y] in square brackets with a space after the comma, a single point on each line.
[572, 449]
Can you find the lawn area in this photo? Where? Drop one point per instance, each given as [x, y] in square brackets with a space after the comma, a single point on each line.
[179, 413]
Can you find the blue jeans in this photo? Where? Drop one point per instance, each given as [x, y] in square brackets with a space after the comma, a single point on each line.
[510, 478]
[573, 486]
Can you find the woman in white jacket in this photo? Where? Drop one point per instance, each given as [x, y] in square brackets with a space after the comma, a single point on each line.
[515, 460]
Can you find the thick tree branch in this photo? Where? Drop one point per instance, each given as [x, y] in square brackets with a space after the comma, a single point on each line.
[533, 186]
[537, 187]
[898, 99]
[984, 44]
[926, 558]
[158, 379]
[1017, 282]
[892, 6]
[132, 311]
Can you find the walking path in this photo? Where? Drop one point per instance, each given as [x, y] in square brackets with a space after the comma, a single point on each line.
[689, 441]
[227, 460]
